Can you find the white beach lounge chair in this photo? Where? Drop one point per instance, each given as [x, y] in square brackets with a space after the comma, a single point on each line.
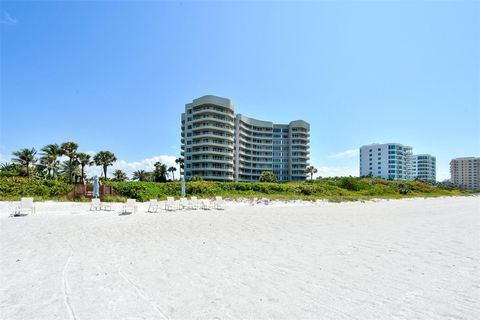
[25, 207]
[184, 204]
[194, 203]
[153, 206]
[95, 205]
[130, 206]
[98, 205]
[170, 205]
[206, 204]
[106, 206]
[219, 203]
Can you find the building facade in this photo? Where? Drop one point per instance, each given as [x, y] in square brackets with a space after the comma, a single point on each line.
[218, 144]
[424, 167]
[388, 161]
[465, 172]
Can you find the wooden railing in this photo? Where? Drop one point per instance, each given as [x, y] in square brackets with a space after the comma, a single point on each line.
[86, 190]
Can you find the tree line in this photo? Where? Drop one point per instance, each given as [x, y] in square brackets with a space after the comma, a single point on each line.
[48, 164]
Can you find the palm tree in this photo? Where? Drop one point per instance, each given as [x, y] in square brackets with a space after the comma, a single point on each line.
[311, 170]
[69, 149]
[119, 175]
[172, 171]
[50, 163]
[85, 160]
[104, 159]
[25, 157]
[8, 166]
[267, 176]
[181, 164]
[50, 153]
[140, 175]
[71, 169]
[160, 172]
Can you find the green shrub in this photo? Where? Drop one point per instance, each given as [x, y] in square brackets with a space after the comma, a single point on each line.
[200, 188]
[14, 187]
[349, 183]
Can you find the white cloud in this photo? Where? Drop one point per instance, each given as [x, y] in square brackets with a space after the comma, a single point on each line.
[130, 166]
[7, 19]
[325, 171]
[4, 158]
[345, 154]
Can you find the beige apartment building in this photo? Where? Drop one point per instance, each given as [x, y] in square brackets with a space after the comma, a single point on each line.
[465, 172]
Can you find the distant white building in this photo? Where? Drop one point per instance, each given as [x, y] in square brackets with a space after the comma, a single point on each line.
[465, 172]
[389, 161]
[424, 167]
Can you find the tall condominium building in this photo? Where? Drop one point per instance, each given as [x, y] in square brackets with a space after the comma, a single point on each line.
[218, 144]
[388, 161]
[424, 167]
[465, 172]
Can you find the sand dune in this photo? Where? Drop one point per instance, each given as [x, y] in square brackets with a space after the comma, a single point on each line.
[403, 259]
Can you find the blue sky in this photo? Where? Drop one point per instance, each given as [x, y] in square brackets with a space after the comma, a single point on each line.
[116, 75]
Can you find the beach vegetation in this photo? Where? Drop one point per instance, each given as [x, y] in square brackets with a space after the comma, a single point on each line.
[141, 175]
[119, 175]
[69, 149]
[311, 170]
[172, 170]
[267, 176]
[25, 157]
[84, 159]
[104, 159]
[181, 164]
[49, 159]
[331, 189]
[160, 172]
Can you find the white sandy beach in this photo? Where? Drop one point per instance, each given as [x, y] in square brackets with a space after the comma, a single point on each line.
[399, 259]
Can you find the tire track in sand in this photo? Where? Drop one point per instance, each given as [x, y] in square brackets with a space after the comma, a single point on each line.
[137, 289]
[66, 298]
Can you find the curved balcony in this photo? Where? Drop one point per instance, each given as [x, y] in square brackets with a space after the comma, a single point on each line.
[213, 111]
[212, 160]
[245, 128]
[212, 152]
[221, 177]
[243, 167]
[214, 119]
[211, 168]
[213, 144]
[214, 136]
[268, 143]
[213, 127]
